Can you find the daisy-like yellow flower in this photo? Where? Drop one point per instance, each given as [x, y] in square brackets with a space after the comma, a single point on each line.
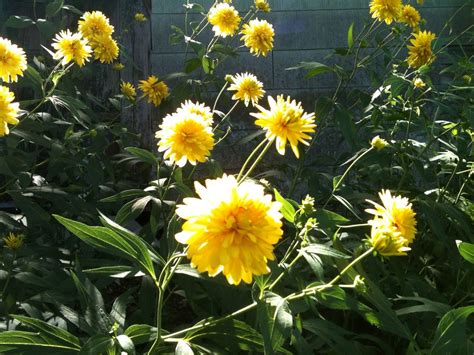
[225, 19]
[410, 16]
[419, 83]
[139, 17]
[378, 143]
[247, 88]
[387, 240]
[71, 47]
[395, 213]
[12, 61]
[13, 241]
[198, 109]
[185, 137]
[155, 90]
[231, 228]
[258, 36]
[105, 49]
[262, 5]
[386, 10]
[285, 121]
[118, 66]
[8, 110]
[95, 24]
[420, 53]
[128, 90]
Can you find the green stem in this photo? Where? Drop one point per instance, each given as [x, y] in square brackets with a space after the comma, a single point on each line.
[257, 148]
[219, 96]
[259, 158]
[225, 117]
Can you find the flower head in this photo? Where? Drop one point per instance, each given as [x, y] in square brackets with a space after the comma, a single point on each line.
[95, 24]
[155, 90]
[118, 66]
[419, 83]
[71, 47]
[386, 10]
[225, 19]
[410, 16]
[285, 121]
[198, 109]
[105, 48]
[12, 60]
[258, 36]
[13, 241]
[378, 143]
[8, 110]
[247, 88]
[128, 90]
[231, 228]
[185, 137]
[420, 2]
[420, 53]
[262, 5]
[387, 240]
[139, 17]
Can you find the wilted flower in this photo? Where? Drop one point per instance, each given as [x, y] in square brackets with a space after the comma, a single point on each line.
[139, 17]
[155, 90]
[379, 143]
[71, 47]
[8, 110]
[13, 241]
[258, 36]
[198, 109]
[386, 10]
[94, 25]
[420, 53]
[128, 90]
[262, 5]
[225, 19]
[247, 88]
[410, 16]
[12, 60]
[419, 83]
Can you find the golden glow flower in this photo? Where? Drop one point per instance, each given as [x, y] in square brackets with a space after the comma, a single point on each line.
[386, 10]
[387, 240]
[231, 228]
[155, 90]
[258, 36]
[410, 16]
[128, 90]
[139, 17]
[185, 137]
[262, 5]
[419, 83]
[71, 47]
[225, 19]
[198, 109]
[378, 143]
[420, 53]
[12, 60]
[13, 241]
[105, 49]
[8, 110]
[285, 121]
[247, 88]
[118, 66]
[95, 24]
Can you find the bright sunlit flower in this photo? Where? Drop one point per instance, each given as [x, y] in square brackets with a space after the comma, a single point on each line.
[71, 47]
[387, 240]
[378, 143]
[13, 241]
[247, 88]
[410, 16]
[105, 48]
[198, 109]
[118, 66]
[8, 110]
[185, 137]
[155, 90]
[386, 10]
[139, 17]
[419, 83]
[231, 228]
[225, 19]
[262, 5]
[128, 90]
[258, 36]
[95, 24]
[12, 60]
[420, 53]
[285, 121]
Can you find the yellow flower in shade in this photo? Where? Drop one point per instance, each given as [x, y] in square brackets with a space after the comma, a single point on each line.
[155, 90]
[419, 83]
[12, 60]
[118, 66]
[420, 2]
[8, 110]
[139, 17]
[231, 228]
[378, 143]
[387, 240]
[105, 49]
[13, 241]
[386, 10]
[420, 53]
[285, 121]
[247, 88]
[128, 90]
[262, 5]
[258, 36]
[225, 19]
[395, 214]
[95, 24]
[410, 16]
[198, 109]
[71, 47]
[185, 137]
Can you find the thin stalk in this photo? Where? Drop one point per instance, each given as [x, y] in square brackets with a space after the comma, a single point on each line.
[257, 148]
[226, 116]
[219, 96]
[254, 165]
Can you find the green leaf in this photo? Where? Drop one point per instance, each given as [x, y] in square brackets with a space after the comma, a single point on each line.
[314, 68]
[125, 195]
[287, 208]
[321, 249]
[183, 348]
[54, 7]
[350, 38]
[19, 22]
[141, 333]
[347, 126]
[451, 335]
[144, 155]
[29, 343]
[118, 271]
[97, 344]
[126, 344]
[466, 250]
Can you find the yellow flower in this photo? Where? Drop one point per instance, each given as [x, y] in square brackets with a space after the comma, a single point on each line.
[387, 240]
[8, 110]
[12, 60]
[420, 53]
[118, 66]
[156, 90]
[139, 17]
[128, 90]
[185, 137]
[95, 24]
[225, 19]
[285, 121]
[420, 2]
[419, 83]
[71, 47]
[105, 48]
[247, 88]
[262, 5]
[410, 16]
[378, 143]
[231, 228]
[13, 241]
[395, 214]
[258, 36]
[386, 10]
[198, 109]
